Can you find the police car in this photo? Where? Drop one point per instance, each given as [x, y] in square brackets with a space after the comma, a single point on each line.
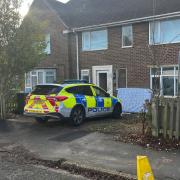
[73, 101]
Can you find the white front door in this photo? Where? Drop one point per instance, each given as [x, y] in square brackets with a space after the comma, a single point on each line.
[103, 77]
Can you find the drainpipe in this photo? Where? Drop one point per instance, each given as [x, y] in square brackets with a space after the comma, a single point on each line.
[77, 55]
[178, 89]
[77, 50]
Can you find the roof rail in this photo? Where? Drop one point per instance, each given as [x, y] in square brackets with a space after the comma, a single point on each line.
[75, 81]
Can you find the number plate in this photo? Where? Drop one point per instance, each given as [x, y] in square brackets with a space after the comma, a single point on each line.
[38, 101]
[35, 111]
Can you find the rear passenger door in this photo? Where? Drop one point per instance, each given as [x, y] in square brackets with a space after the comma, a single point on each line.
[88, 95]
[84, 95]
[103, 101]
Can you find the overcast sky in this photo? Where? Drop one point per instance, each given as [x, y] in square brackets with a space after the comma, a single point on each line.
[26, 4]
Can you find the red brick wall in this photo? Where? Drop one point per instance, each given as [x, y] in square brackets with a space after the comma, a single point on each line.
[72, 56]
[59, 42]
[136, 59]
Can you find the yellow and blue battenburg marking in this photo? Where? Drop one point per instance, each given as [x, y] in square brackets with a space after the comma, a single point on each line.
[81, 99]
[99, 102]
[114, 101]
[96, 104]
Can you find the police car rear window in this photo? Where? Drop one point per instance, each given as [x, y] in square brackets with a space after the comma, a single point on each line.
[46, 90]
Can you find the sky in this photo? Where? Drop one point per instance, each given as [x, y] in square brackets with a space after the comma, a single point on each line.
[26, 4]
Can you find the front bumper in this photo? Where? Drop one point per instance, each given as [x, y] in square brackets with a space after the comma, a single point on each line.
[49, 115]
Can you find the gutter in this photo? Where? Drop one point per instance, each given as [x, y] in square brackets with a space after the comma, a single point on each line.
[131, 21]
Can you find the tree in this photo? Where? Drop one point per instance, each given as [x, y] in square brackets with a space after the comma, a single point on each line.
[21, 48]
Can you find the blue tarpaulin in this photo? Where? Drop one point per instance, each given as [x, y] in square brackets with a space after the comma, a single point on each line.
[133, 99]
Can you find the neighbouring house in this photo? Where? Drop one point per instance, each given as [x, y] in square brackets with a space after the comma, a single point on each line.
[111, 43]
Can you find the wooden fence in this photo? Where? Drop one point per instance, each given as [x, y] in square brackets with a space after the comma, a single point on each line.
[11, 107]
[166, 117]
[7, 107]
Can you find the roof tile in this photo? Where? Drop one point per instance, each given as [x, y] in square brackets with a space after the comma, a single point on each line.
[81, 13]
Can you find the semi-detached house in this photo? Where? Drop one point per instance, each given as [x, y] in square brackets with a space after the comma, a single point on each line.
[111, 43]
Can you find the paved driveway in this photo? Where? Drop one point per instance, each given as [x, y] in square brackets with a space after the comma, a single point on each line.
[57, 140]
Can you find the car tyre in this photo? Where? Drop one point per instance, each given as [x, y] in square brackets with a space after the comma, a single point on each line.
[41, 120]
[117, 112]
[77, 116]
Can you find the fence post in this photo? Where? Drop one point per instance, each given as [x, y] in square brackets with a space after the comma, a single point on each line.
[155, 111]
[171, 119]
[165, 120]
[0, 108]
[178, 119]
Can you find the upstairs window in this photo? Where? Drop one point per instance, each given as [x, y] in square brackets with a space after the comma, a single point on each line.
[48, 44]
[127, 36]
[165, 32]
[94, 40]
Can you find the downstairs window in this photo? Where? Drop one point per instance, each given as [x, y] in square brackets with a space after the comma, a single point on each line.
[39, 76]
[164, 80]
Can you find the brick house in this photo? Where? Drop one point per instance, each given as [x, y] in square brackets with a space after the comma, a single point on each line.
[112, 43]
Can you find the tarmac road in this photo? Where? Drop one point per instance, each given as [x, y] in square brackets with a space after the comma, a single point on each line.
[57, 140]
[17, 171]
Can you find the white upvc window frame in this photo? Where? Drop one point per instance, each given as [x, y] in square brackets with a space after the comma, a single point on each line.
[159, 33]
[36, 71]
[47, 50]
[85, 72]
[46, 75]
[117, 76]
[122, 39]
[94, 49]
[161, 79]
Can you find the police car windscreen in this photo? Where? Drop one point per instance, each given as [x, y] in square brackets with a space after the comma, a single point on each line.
[46, 90]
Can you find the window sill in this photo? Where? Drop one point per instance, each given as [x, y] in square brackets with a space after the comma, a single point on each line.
[95, 50]
[173, 97]
[124, 47]
[172, 43]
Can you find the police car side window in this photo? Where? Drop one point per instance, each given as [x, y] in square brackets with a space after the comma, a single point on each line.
[72, 90]
[85, 90]
[100, 92]
[80, 90]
